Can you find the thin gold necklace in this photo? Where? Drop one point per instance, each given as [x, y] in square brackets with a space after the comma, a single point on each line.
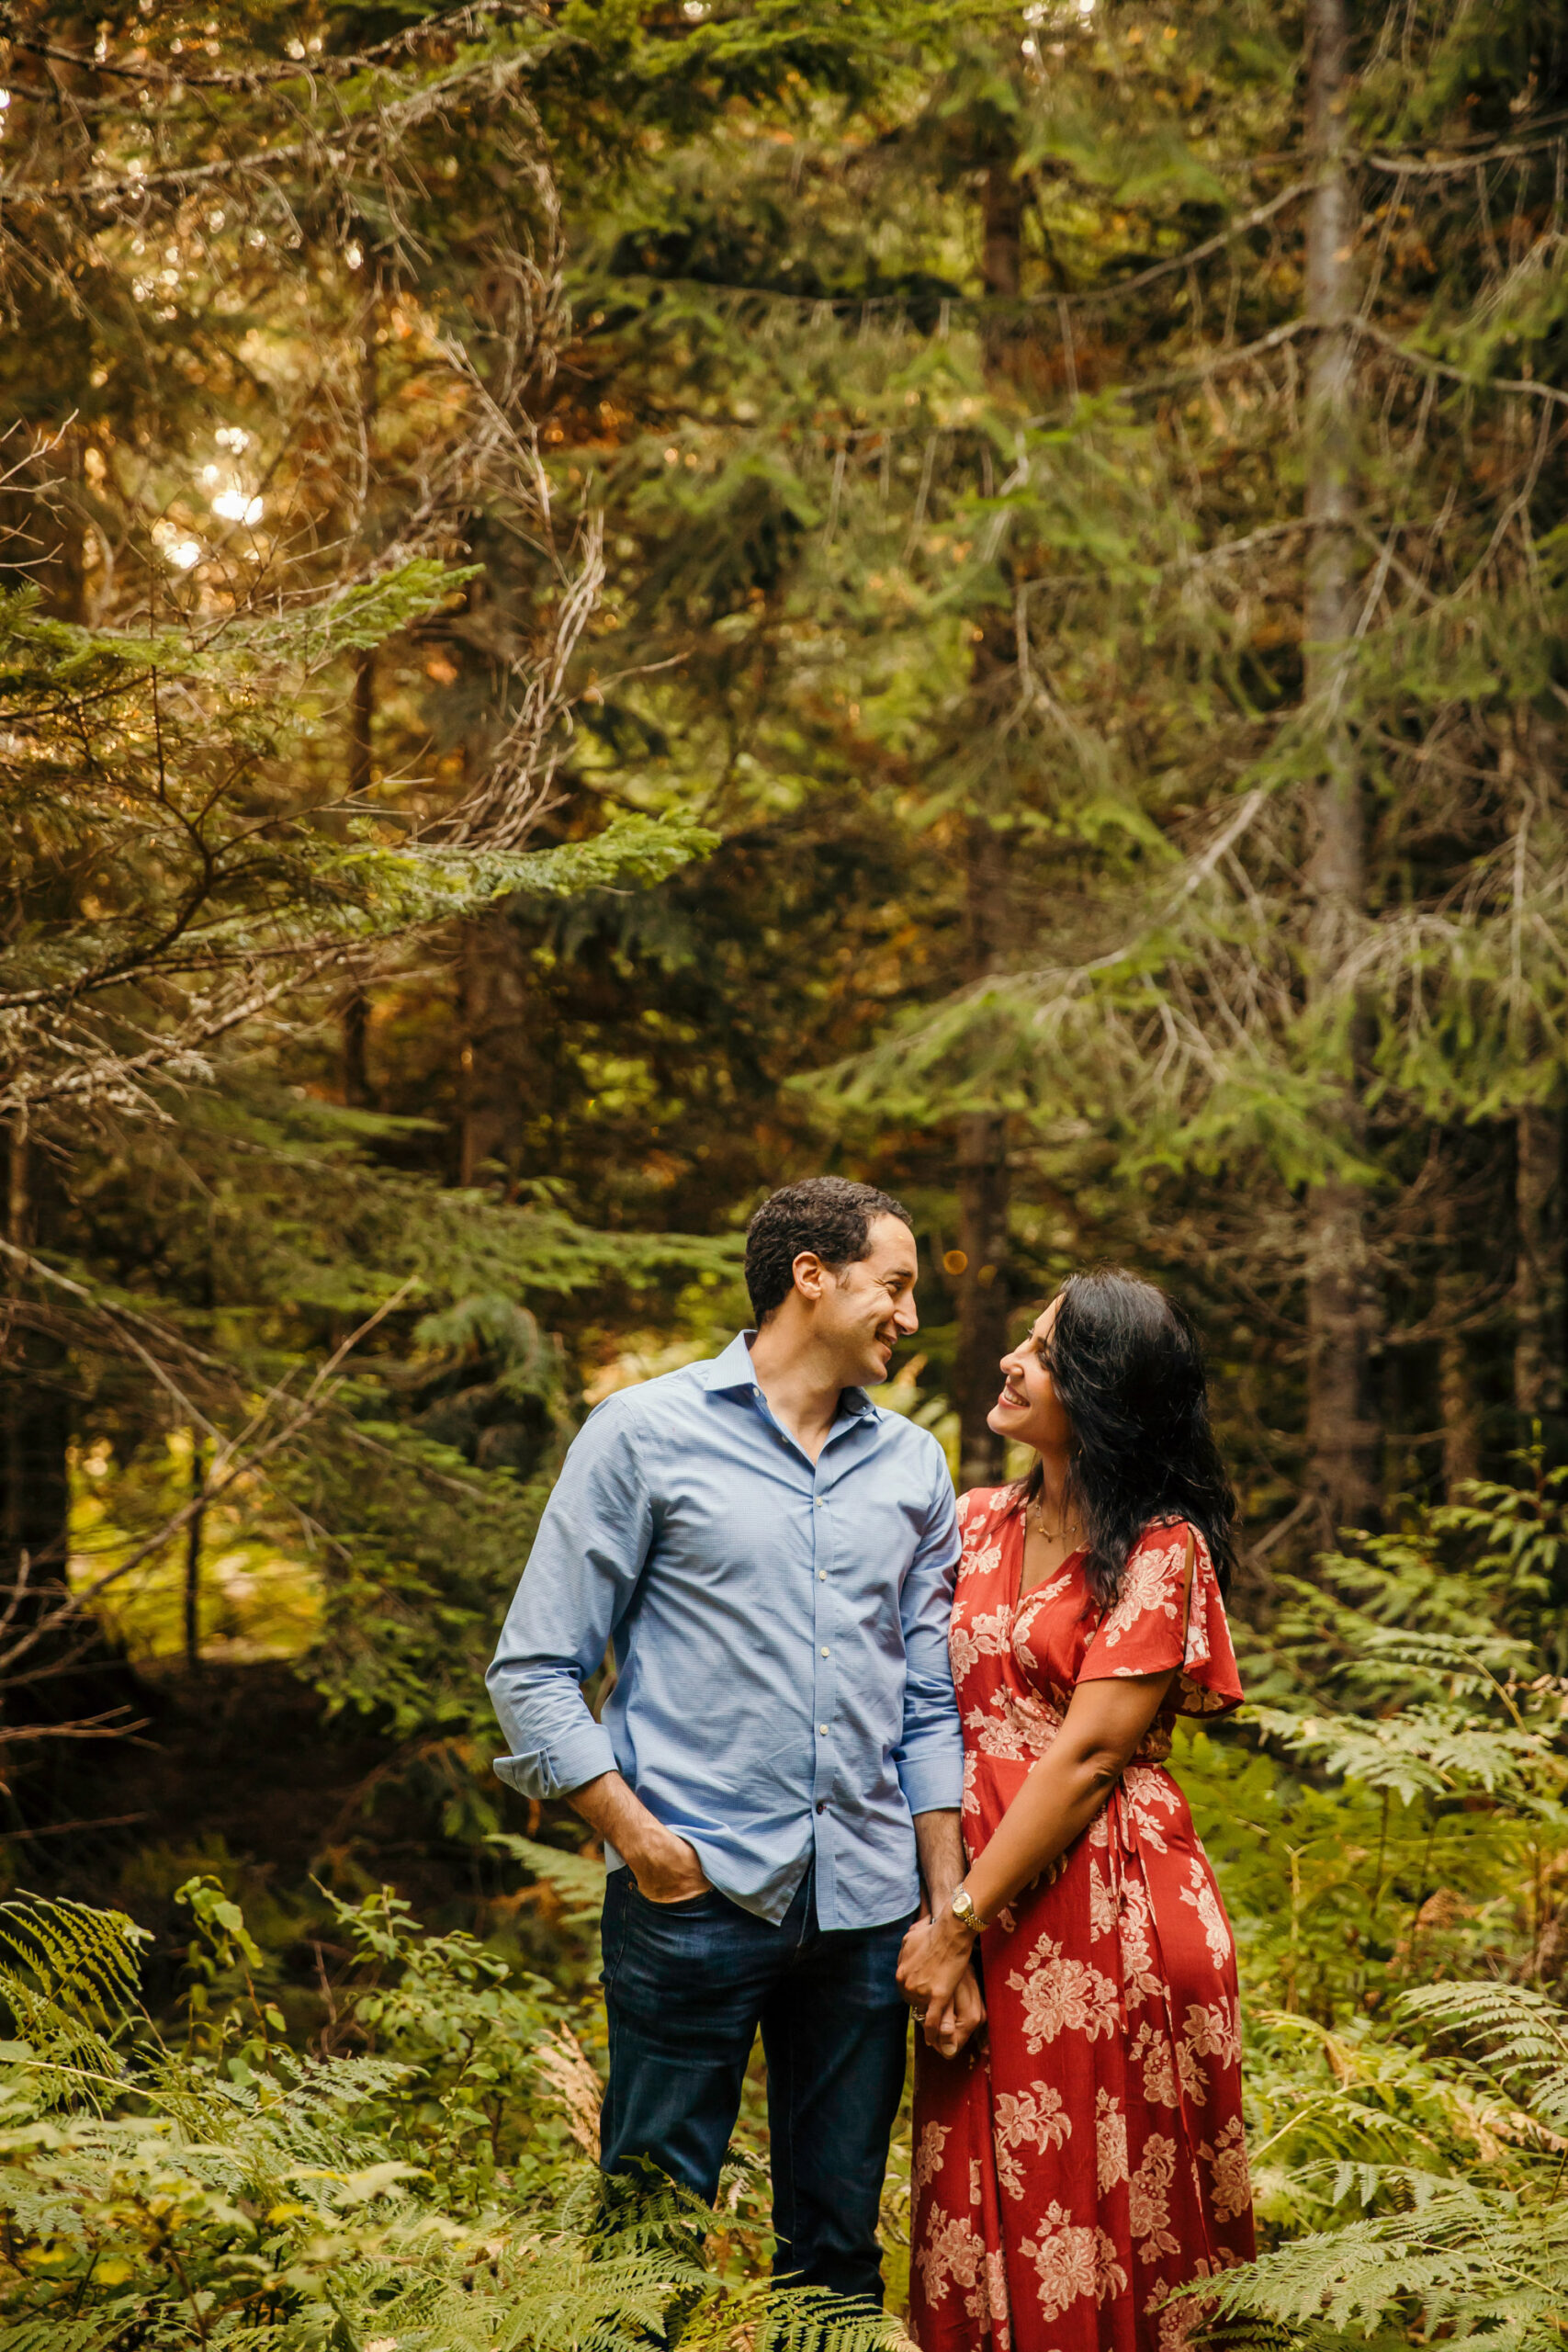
[1058, 1536]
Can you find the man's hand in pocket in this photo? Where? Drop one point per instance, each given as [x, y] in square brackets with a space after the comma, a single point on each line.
[664, 1867]
[667, 1869]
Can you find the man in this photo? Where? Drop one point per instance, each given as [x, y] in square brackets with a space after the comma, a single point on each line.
[771, 1556]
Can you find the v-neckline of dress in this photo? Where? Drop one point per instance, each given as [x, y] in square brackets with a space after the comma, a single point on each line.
[1019, 1595]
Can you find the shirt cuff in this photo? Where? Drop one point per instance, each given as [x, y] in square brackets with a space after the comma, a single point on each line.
[578, 1758]
[933, 1783]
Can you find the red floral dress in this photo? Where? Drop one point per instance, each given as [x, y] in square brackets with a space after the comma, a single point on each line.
[1085, 2155]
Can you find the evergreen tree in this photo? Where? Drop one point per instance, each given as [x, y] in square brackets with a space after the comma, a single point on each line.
[193, 869]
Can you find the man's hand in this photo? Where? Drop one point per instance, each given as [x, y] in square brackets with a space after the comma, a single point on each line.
[667, 1870]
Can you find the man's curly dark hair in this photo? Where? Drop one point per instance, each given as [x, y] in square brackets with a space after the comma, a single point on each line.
[827, 1214]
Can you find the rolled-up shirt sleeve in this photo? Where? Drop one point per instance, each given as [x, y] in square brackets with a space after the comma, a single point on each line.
[593, 1543]
[931, 1753]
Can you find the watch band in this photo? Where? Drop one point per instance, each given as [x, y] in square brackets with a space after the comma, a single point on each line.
[964, 1911]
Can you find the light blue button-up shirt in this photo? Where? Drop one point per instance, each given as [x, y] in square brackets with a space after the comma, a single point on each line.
[782, 1688]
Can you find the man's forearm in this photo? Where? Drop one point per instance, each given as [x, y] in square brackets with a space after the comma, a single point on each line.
[939, 1841]
[663, 1865]
[612, 1807]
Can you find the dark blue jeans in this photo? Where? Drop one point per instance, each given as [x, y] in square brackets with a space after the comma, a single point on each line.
[686, 1986]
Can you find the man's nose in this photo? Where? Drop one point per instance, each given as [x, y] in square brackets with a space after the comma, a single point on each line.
[905, 1316]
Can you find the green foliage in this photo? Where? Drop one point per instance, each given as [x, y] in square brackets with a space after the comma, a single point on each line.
[696, 674]
[1392, 1846]
[233, 2192]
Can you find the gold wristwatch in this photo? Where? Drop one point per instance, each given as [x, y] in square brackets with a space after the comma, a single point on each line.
[964, 1911]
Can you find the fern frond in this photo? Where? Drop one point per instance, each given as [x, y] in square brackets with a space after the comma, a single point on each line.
[578, 1881]
[1520, 2036]
[58, 2335]
[1465, 2261]
[85, 1961]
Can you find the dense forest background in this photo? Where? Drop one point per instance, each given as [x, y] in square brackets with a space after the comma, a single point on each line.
[605, 605]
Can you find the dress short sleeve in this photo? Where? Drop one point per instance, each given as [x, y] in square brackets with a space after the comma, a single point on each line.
[1143, 1632]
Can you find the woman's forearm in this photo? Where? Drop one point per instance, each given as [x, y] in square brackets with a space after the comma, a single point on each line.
[1056, 1804]
[1106, 1724]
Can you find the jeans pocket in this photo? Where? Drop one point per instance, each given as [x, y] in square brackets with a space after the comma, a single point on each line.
[688, 1906]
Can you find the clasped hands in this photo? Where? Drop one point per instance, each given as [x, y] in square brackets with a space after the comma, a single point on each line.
[936, 1978]
[935, 1973]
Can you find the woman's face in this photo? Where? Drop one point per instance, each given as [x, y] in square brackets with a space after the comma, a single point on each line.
[1028, 1410]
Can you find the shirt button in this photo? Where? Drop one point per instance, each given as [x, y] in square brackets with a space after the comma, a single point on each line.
[824, 1649]
[823, 1729]
[822, 1576]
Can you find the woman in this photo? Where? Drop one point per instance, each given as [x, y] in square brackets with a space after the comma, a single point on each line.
[1084, 2155]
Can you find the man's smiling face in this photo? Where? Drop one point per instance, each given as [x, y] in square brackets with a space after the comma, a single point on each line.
[868, 1306]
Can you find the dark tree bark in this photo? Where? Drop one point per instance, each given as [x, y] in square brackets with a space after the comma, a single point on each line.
[35, 1419]
[356, 1090]
[194, 1533]
[1538, 1264]
[983, 1295]
[1458, 1405]
[1343, 1320]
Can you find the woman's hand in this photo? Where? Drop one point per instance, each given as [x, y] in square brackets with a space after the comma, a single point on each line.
[937, 1980]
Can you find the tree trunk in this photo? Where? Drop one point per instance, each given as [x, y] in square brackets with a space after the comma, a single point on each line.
[1457, 1404]
[194, 1532]
[34, 1422]
[1342, 1307]
[356, 1091]
[362, 726]
[1538, 1264]
[984, 1296]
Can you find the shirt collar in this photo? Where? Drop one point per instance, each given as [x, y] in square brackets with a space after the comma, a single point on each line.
[733, 1371]
[733, 1368]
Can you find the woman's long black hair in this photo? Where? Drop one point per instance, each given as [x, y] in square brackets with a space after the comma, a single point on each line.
[1129, 1370]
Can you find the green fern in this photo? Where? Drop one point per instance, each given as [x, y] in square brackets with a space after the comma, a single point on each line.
[1518, 2035]
[81, 1962]
[244, 2193]
[1464, 2262]
[69, 1980]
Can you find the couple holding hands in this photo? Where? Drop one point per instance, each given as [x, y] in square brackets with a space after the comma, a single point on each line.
[869, 1753]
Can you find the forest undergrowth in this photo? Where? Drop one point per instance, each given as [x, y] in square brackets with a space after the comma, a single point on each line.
[416, 2171]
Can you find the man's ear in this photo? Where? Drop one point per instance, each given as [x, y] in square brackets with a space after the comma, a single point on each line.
[810, 1275]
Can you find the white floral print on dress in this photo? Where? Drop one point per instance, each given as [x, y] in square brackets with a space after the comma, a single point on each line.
[1151, 2050]
[1227, 2165]
[927, 2155]
[1101, 1905]
[952, 2253]
[1110, 2140]
[1063, 1996]
[1201, 1892]
[1148, 2194]
[1072, 2259]
[1033, 2118]
[970, 1640]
